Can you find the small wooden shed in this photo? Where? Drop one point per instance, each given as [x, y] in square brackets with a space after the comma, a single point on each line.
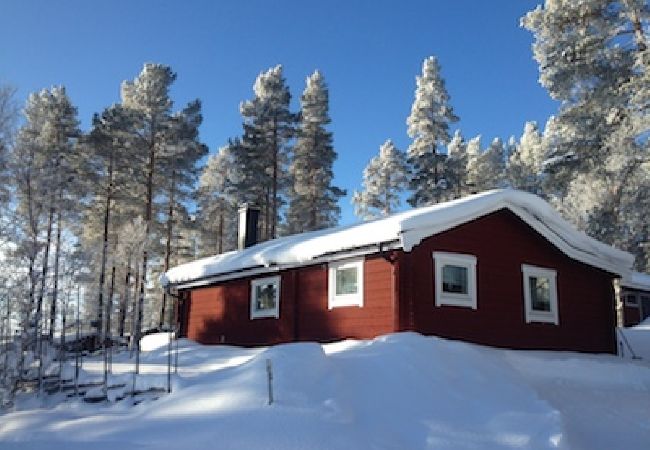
[500, 268]
[635, 298]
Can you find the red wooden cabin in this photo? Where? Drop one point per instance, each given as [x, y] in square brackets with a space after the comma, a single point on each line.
[499, 268]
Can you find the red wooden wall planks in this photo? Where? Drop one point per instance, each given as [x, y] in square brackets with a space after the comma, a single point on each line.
[502, 243]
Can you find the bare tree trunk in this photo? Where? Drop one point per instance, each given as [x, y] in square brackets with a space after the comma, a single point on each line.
[145, 255]
[55, 292]
[168, 244]
[134, 307]
[102, 272]
[274, 193]
[39, 304]
[125, 298]
[220, 242]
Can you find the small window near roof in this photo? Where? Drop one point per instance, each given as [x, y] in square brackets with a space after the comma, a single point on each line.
[265, 297]
[631, 300]
[455, 279]
[540, 294]
[345, 283]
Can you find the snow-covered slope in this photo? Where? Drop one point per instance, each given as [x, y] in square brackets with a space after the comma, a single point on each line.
[405, 230]
[401, 391]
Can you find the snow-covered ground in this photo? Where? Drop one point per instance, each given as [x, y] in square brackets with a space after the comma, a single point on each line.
[400, 391]
[635, 341]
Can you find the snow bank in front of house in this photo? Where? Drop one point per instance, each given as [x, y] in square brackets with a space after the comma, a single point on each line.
[408, 229]
[400, 391]
[154, 341]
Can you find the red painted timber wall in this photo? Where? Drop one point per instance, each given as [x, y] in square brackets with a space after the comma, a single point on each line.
[221, 313]
[502, 243]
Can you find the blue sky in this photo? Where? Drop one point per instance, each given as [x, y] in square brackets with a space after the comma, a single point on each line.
[368, 51]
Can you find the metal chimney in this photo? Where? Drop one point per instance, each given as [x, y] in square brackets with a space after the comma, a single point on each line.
[248, 217]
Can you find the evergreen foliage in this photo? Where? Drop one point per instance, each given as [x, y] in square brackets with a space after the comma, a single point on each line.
[313, 200]
[384, 179]
[428, 126]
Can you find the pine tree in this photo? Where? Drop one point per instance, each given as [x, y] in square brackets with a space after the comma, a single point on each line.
[384, 179]
[594, 58]
[217, 205]
[493, 165]
[525, 162]
[473, 165]
[313, 204]
[8, 119]
[591, 55]
[265, 152]
[147, 99]
[179, 170]
[456, 166]
[428, 125]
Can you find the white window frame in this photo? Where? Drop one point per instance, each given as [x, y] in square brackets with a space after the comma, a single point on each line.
[337, 301]
[468, 300]
[551, 316]
[265, 313]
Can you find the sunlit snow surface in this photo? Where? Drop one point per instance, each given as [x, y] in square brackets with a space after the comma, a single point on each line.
[400, 391]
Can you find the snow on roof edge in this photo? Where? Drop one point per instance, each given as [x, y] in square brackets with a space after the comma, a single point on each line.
[637, 280]
[410, 228]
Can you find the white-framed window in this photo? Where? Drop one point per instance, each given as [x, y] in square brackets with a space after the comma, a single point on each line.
[540, 294]
[631, 299]
[265, 297]
[455, 278]
[345, 283]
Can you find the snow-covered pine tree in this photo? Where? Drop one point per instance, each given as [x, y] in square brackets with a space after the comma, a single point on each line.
[493, 165]
[474, 165]
[147, 100]
[8, 119]
[264, 155]
[524, 166]
[217, 205]
[594, 58]
[313, 200]
[456, 167]
[179, 173]
[428, 126]
[384, 179]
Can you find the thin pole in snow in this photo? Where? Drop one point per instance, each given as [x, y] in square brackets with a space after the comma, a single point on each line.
[269, 377]
[78, 349]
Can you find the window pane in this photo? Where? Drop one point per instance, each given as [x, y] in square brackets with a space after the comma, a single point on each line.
[540, 293]
[454, 279]
[265, 296]
[346, 281]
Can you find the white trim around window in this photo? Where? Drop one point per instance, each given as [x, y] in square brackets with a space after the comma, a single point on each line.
[547, 309]
[460, 288]
[345, 283]
[269, 307]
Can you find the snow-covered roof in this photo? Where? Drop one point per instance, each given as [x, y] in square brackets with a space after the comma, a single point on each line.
[637, 280]
[403, 230]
